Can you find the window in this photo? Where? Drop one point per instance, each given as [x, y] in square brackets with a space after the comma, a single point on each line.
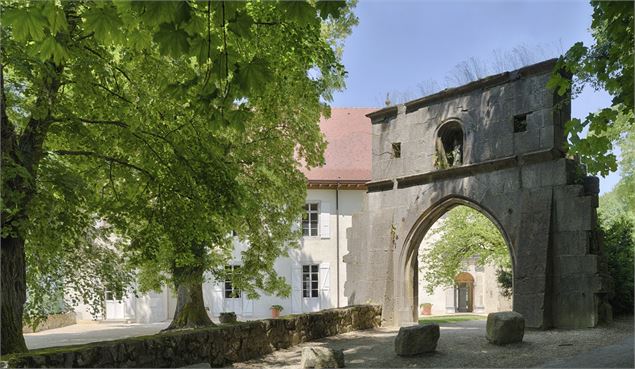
[114, 296]
[230, 290]
[310, 280]
[396, 150]
[520, 123]
[310, 219]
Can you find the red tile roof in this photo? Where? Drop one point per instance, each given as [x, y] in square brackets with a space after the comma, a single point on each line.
[348, 152]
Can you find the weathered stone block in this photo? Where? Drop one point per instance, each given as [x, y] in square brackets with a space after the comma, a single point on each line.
[505, 327]
[417, 339]
[322, 357]
[571, 243]
[591, 185]
[575, 264]
[546, 137]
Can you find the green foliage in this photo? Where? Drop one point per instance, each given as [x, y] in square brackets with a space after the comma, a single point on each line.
[619, 248]
[608, 65]
[620, 202]
[175, 123]
[464, 233]
[505, 281]
[71, 255]
[617, 217]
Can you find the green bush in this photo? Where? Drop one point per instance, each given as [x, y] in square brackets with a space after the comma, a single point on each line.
[619, 247]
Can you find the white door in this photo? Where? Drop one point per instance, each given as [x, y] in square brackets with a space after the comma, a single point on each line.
[310, 288]
[115, 308]
[233, 298]
[233, 304]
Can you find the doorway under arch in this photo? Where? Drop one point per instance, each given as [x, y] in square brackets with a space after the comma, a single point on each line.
[470, 287]
[464, 292]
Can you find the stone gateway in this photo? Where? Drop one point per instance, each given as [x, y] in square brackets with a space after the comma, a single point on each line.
[495, 145]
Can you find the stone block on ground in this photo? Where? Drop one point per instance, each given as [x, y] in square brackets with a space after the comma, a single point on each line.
[505, 327]
[322, 357]
[417, 339]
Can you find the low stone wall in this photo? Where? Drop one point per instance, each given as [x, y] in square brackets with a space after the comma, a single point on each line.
[53, 321]
[218, 345]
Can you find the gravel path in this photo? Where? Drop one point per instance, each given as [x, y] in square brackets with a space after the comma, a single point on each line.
[462, 344]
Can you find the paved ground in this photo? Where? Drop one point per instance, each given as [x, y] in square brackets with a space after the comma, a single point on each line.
[463, 344]
[89, 332]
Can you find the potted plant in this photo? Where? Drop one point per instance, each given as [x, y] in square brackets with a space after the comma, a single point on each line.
[275, 310]
[426, 308]
[228, 317]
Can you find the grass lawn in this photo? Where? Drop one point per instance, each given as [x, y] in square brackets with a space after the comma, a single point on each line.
[449, 318]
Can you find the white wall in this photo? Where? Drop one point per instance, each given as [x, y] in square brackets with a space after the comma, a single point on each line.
[321, 250]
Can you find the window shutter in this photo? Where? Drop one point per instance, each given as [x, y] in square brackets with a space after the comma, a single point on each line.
[248, 306]
[325, 220]
[217, 297]
[325, 283]
[296, 288]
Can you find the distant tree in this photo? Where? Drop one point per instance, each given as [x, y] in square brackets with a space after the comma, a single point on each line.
[620, 201]
[619, 248]
[464, 233]
[607, 65]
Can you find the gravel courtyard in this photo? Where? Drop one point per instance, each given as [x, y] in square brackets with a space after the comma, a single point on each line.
[463, 344]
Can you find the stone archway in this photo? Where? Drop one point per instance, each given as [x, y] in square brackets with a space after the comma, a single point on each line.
[408, 262]
[539, 199]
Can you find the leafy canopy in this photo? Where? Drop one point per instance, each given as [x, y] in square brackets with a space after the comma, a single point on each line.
[608, 65]
[176, 123]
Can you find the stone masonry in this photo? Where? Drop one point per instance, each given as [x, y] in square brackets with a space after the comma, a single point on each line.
[219, 346]
[513, 169]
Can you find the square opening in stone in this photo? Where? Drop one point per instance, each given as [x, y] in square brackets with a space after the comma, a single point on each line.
[520, 123]
[396, 149]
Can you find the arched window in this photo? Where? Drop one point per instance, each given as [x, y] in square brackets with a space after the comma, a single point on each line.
[449, 146]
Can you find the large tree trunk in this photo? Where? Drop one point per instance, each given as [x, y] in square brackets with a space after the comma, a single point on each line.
[24, 151]
[13, 294]
[190, 307]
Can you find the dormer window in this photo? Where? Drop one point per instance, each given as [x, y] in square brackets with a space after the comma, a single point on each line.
[449, 146]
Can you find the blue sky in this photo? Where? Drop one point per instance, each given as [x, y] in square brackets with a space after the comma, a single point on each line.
[400, 44]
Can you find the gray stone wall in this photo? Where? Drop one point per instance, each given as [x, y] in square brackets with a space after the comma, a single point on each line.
[539, 198]
[219, 346]
[53, 321]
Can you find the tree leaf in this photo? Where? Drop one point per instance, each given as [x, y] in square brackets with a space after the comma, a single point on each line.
[105, 22]
[330, 8]
[55, 16]
[172, 40]
[26, 23]
[50, 48]
[253, 75]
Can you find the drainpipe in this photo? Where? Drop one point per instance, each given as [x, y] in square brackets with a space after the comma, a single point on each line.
[337, 237]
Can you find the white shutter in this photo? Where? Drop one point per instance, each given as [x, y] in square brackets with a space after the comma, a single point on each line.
[325, 283]
[296, 288]
[325, 220]
[217, 297]
[248, 306]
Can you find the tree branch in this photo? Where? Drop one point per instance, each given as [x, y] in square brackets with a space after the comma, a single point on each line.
[111, 92]
[103, 157]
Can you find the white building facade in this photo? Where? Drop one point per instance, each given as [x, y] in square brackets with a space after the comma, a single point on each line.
[315, 270]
